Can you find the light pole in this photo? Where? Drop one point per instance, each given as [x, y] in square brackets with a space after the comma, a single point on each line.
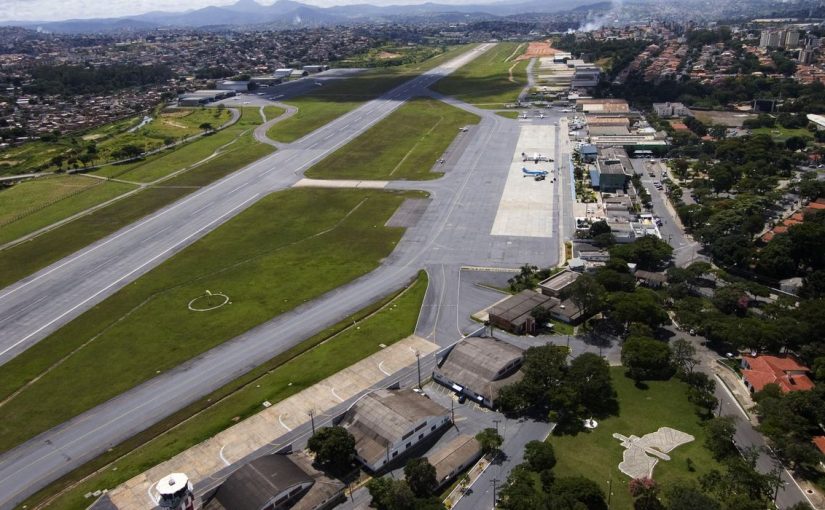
[418, 363]
[493, 482]
[311, 413]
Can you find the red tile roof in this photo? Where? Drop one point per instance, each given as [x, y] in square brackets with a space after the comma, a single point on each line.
[784, 371]
[819, 442]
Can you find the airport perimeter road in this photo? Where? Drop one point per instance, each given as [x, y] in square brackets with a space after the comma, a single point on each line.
[41, 303]
[454, 229]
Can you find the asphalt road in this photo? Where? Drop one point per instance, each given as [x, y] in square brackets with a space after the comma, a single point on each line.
[453, 231]
[685, 249]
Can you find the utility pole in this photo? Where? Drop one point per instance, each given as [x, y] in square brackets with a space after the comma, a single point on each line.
[452, 411]
[312, 419]
[418, 363]
[493, 482]
[497, 421]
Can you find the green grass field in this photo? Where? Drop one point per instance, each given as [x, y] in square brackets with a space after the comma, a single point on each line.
[159, 165]
[342, 96]
[32, 205]
[404, 145]
[276, 255]
[26, 258]
[328, 352]
[486, 81]
[273, 111]
[780, 134]
[172, 123]
[596, 455]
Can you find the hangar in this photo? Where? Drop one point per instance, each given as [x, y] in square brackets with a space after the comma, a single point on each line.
[389, 423]
[479, 368]
[276, 482]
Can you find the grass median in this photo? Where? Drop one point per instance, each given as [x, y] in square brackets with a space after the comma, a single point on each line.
[596, 454]
[489, 81]
[339, 97]
[240, 149]
[276, 255]
[404, 145]
[351, 340]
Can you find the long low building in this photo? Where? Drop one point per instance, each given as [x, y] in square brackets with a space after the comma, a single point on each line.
[515, 314]
[479, 368]
[453, 458]
[386, 424]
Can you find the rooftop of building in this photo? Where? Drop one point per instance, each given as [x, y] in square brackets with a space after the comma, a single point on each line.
[785, 371]
[383, 417]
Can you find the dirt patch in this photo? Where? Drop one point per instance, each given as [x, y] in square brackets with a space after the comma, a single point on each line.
[728, 119]
[9, 162]
[538, 49]
[174, 124]
[386, 55]
[92, 137]
[176, 113]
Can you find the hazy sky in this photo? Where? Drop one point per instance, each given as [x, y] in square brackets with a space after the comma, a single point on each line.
[46, 10]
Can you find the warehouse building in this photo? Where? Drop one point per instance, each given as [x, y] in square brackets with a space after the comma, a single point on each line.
[612, 170]
[387, 424]
[479, 368]
[515, 314]
[453, 458]
[276, 482]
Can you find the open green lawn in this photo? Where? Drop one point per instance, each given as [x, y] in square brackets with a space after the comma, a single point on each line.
[166, 124]
[334, 99]
[404, 145]
[596, 455]
[31, 205]
[780, 134]
[487, 81]
[159, 165]
[273, 111]
[26, 258]
[328, 352]
[276, 255]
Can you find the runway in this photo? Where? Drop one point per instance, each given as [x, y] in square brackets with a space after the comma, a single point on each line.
[43, 302]
[453, 231]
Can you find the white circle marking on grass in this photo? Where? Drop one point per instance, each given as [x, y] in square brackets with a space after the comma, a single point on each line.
[208, 294]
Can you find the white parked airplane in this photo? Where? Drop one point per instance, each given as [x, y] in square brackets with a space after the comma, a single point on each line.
[535, 158]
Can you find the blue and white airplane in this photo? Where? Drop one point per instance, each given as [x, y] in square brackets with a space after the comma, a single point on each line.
[533, 173]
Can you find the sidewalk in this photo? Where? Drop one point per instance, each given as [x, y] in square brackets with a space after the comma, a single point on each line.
[734, 385]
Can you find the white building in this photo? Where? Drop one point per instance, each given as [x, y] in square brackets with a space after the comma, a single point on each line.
[387, 424]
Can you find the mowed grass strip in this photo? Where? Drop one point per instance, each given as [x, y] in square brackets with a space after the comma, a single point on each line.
[596, 455]
[328, 352]
[486, 81]
[404, 145]
[276, 255]
[26, 258]
[338, 97]
[31, 205]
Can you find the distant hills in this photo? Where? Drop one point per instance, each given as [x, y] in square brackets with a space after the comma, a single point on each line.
[290, 13]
